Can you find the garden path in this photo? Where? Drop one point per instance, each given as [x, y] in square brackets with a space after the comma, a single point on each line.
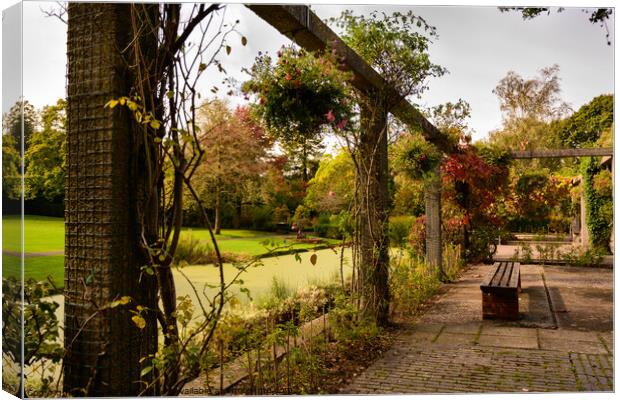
[562, 342]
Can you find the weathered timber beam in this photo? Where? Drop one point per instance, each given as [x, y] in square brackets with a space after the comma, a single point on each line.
[562, 153]
[300, 24]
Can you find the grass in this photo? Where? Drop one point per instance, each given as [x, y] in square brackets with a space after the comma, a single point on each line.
[46, 234]
[250, 243]
[37, 268]
[41, 234]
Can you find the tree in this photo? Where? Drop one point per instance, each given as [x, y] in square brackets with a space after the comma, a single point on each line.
[234, 156]
[22, 110]
[45, 157]
[584, 127]
[531, 108]
[595, 16]
[536, 98]
[391, 45]
[331, 190]
[11, 168]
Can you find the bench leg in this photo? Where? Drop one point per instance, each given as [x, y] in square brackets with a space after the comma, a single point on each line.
[500, 305]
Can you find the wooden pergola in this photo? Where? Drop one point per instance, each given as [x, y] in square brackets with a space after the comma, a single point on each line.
[607, 152]
[304, 27]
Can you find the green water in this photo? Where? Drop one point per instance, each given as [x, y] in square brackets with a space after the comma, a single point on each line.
[257, 279]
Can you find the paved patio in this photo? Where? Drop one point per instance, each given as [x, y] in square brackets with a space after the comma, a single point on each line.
[562, 342]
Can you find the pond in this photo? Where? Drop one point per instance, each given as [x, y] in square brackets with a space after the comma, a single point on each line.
[258, 280]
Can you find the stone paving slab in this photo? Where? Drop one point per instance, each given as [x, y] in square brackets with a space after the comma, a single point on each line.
[452, 350]
[572, 346]
[522, 342]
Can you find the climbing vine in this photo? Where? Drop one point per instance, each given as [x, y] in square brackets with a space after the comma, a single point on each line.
[599, 204]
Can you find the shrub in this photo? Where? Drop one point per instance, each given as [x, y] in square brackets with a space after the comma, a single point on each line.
[578, 256]
[192, 251]
[399, 230]
[482, 244]
[412, 283]
[349, 329]
[35, 343]
[262, 218]
[324, 227]
[417, 236]
[451, 261]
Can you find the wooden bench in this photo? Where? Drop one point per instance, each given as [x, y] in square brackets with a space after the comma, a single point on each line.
[500, 291]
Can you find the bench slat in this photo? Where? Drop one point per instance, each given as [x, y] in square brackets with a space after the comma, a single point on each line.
[505, 281]
[516, 272]
[490, 276]
[501, 270]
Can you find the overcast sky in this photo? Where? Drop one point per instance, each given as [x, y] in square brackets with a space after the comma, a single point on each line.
[478, 45]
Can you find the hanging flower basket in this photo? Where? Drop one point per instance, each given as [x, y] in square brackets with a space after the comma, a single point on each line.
[300, 94]
[415, 157]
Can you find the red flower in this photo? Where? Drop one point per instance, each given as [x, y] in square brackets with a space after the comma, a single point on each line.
[288, 77]
[330, 116]
[261, 100]
[341, 124]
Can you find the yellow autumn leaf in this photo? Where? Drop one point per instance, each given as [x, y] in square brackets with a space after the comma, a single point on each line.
[139, 321]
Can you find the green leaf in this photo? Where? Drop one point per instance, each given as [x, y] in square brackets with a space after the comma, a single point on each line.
[170, 94]
[146, 370]
[155, 124]
[202, 67]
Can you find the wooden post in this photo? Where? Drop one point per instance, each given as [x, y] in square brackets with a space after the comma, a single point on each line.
[583, 234]
[432, 204]
[102, 255]
[373, 215]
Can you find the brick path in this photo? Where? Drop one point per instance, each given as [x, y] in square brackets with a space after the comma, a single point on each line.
[458, 352]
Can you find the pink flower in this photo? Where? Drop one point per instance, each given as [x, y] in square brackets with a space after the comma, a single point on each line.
[341, 124]
[423, 158]
[330, 116]
[331, 193]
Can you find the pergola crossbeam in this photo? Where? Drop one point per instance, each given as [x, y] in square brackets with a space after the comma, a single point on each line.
[562, 153]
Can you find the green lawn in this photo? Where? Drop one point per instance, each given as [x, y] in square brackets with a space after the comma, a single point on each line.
[37, 268]
[240, 241]
[43, 234]
[40, 233]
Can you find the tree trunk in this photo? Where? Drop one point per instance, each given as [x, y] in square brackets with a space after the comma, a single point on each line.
[218, 207]
[373, 223]
[102, 251]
